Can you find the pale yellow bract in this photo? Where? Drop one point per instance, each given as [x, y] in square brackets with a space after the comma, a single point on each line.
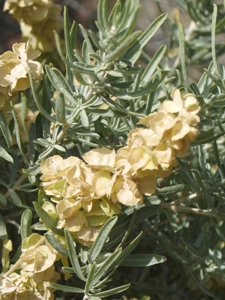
[89, 191]
[80, 192]
[14, 68]
[35, 18]
[35, 269]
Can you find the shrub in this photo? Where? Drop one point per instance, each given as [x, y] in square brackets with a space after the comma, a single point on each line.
[112, 161]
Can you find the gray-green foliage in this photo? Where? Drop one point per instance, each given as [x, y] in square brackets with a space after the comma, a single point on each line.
[184, 221]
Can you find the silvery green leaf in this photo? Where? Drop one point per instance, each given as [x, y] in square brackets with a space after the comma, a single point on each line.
[152, 66]
[170, 189]
[142, 260]
[25, 227]
[134, 53]
[103, 15]
[57, 79]
[90, 278]
[5, 155]
[106, 266]
[48, 221]
[5, 130]
[56, 244]
[101, 238]
[3, 201]
[3, 230]
[15, 198]
[70, 35]
[73, 255]
[38, 101]
[113, 291]
[66, 288]
[123, 47]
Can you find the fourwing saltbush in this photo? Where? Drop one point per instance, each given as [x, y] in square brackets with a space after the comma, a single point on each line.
[102, 175]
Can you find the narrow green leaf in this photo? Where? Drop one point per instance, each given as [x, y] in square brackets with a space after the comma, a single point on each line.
[90, 297]
[45, 153]
[84, 118]
[89, 47]
[101, 112]
[119, 230]
[205, 82]
[143, 212]
[17, 131]
[3, 230]
[120, 108]
[132, 221]
[57, 79]
[115, 73]
[129, 249]
[80, 78]
[79, 56]
[206, 137]
[73, 255]
[3, 183]
[84, 68]
[38, 103]
[218, 103]
[170, 189]
[70, 37]
[143, 40]
[56, 244]
[114, 17]
[218, 230]
[151, 67]
[68, 96]
[5, 155]
[66, 289]
[216, 79]
[95, 40]
[59, 148]
[14, 170]
[151, 86]
[43, 142]
[115, 14]
[213, 38]
[60, 109]
[84, 253]
[32, 137]
[26, 221]
[68, 269]
[15, 198]
[182, 55]
[221, 23]
[5, 130]
[48, 221]
[101, 238]
[58, 46]
[114, 291]
[33, 170]
[90, 278]
[125, 18]
[103, 15]
[106, 266]
[123, 47]
[3, 200]
[142, 260]
[73, 34]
